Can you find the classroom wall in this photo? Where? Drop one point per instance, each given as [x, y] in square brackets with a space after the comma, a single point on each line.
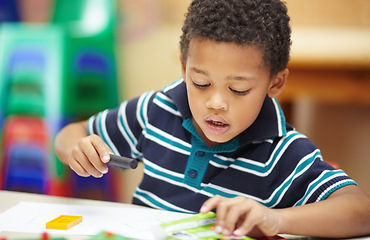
[341, 130]
[151, 38]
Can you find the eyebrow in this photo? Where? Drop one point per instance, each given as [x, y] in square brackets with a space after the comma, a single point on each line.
[197, 70]
[231, 77]
[240, 78]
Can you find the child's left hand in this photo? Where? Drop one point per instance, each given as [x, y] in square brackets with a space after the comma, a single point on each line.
[242, 216]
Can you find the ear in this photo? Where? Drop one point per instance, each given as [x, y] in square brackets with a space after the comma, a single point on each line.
[278, 83]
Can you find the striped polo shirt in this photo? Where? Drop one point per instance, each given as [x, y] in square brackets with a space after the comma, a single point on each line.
[269, 162]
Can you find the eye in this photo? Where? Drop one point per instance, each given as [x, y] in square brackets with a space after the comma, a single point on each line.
[201, 86]
[240, 93]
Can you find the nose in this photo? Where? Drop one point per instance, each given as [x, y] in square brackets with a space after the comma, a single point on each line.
[217, 102]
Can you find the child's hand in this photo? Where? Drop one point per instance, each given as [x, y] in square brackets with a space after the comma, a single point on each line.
[242, 216]
[89, 156]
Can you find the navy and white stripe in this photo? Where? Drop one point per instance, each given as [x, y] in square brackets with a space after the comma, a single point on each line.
[269, 162]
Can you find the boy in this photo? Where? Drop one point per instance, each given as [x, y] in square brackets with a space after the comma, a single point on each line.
[217, 138]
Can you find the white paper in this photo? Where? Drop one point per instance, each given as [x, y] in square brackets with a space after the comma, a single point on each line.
[31, 217]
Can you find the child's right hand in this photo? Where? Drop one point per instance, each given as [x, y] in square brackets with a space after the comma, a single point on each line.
[89, 156]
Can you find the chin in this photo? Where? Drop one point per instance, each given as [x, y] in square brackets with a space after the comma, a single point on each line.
[217, 140]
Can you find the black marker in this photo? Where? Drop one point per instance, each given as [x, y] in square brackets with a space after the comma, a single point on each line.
[122, 162]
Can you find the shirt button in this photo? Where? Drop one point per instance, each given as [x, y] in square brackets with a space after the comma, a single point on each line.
[199, 153]
[192, 173]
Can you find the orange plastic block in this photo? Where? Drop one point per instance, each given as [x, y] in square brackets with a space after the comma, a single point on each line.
[64, 222]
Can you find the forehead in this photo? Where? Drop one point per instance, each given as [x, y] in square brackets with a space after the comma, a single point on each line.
[205, 51]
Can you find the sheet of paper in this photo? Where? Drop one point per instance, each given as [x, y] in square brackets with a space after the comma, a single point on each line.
[31, 217]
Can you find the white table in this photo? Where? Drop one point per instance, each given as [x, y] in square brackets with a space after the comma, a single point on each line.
[9, 199]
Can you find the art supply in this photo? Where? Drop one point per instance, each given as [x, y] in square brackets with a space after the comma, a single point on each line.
[64, 222]
[122, 162]
[201, 226]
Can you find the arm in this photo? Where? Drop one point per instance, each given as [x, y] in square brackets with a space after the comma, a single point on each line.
[86, 155]
[346, 213]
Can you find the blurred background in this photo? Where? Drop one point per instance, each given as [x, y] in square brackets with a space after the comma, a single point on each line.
[79, 57]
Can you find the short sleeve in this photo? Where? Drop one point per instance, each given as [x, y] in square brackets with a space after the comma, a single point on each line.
[119, 128]
[308, 178]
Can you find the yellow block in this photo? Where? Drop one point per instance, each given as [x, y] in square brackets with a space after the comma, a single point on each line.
[64, 222]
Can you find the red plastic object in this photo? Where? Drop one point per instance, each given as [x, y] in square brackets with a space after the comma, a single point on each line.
[22, 129]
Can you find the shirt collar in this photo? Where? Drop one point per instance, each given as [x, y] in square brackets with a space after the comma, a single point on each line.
[177, 92]
[269, 124]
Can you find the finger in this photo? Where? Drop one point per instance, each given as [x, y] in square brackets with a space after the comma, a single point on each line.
[75, 165]
[101, 148]
[222, 206]
[235, 212]
[260, 221]
[251, 221]
[91, 146]
[222, 209]
[89, 164]
[210, 204]
[78, 155]
[78, 169]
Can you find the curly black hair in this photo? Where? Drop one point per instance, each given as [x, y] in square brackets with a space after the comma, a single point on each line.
[261, 23]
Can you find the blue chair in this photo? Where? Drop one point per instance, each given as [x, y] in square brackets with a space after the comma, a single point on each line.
[26, 169]
[31, 73]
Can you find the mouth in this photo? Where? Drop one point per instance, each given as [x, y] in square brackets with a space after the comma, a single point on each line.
[216, 125]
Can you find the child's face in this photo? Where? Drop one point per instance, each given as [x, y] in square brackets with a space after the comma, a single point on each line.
[226, 85]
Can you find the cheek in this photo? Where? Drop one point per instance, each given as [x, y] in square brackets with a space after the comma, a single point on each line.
[247, 111]
[194, 101]
[245, 119]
